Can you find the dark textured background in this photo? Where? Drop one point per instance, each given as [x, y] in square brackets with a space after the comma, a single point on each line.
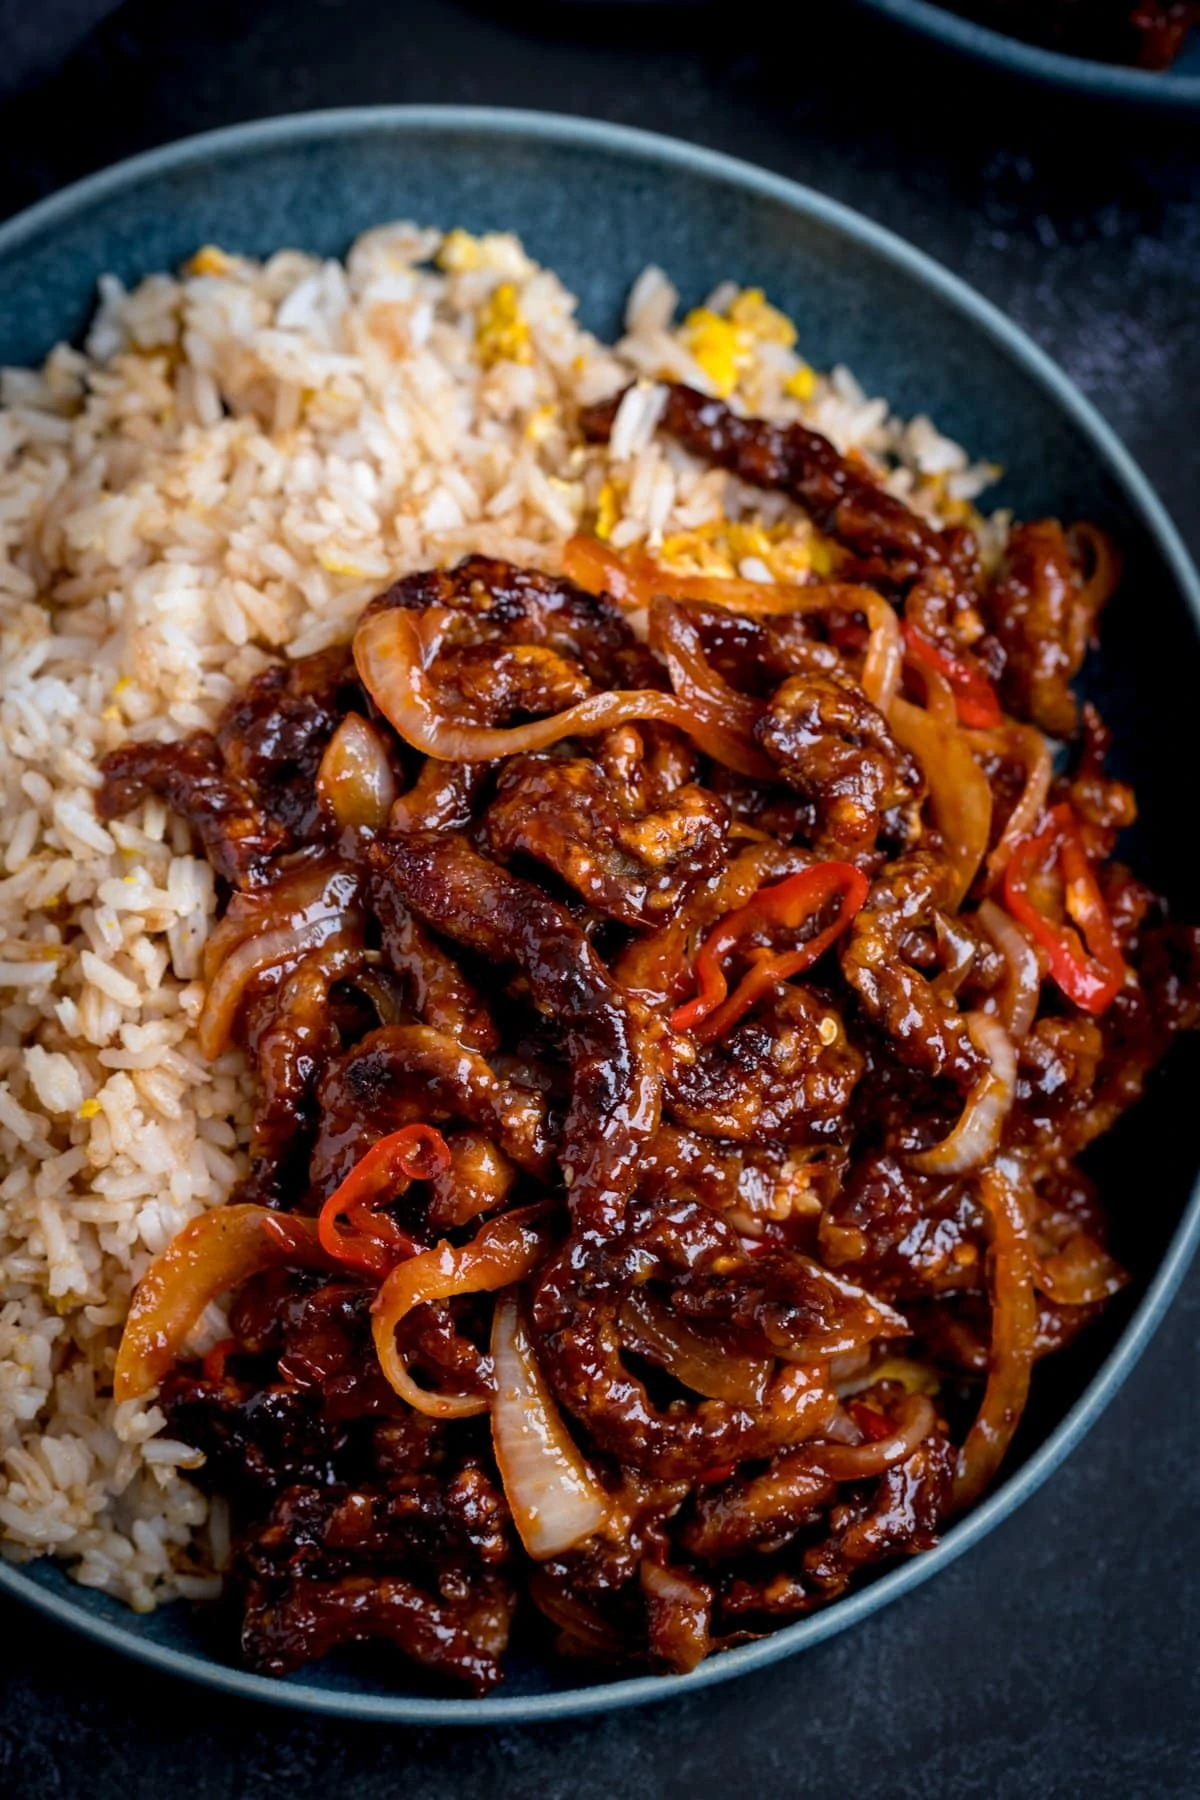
[1060, 1657]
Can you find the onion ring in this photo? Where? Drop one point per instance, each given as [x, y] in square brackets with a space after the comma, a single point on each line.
[976, 1137]
[506, 1250]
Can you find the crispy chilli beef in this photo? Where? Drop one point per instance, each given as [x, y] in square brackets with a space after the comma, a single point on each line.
[669, 1062]
[1147, 33]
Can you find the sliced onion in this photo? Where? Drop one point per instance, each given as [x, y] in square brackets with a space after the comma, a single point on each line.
[505, 1250]
[1082, 1273]
[634, 580]
[651, 1329]
[355, 781]
[273, 950]
[976, 1137]
[323, 911]
[1027, 744]
[393, 654]
[885, 652]
[940, 703]
[845, 1371]
[1096, 585]
[313, 891]
[555, 1499]
[675, 634]
[915, 1420]
[958, 789]
[211, 1255]
[1014, 1338]
[1024, 982]
[958, 949]
[870, 1318]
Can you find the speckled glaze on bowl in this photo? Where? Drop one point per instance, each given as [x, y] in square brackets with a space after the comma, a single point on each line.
[1176, 88]
[597, 202]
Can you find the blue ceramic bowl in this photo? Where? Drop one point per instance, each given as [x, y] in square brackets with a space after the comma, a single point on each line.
[598, 202]
[1176, 88]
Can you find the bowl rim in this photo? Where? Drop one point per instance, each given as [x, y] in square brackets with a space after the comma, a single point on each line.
[313, 127]
[1164, 88]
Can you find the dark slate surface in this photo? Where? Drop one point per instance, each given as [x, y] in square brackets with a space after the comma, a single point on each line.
[1060, 1657]
[35, 40]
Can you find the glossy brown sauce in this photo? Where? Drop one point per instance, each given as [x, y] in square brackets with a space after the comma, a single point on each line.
[786, 1314]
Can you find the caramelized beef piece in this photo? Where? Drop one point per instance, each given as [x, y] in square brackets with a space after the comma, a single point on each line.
[404, 1073]
[634, 866]
[239, 839]
[783, 1075]
[902, 1234]
[498, 602]
[253, 1438]
[311, 1618]
[925, 1028]
[1042, 613]
[486, 684]
[760, 1512]
[901, 1517]
[777, 1300]
[832, 744]
[615, 1081]
[275, 733]
[436, 988]
[843, 500]
[291, 1035]
[249, 793]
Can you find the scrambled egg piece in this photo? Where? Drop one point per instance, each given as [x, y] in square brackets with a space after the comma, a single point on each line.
[802, 385]
[718, 346]
[502, 334]
[716, 548]
[724, 345]
[459, 252]
[789, 552]
[754, 314]
[608, 511]
[210, 259]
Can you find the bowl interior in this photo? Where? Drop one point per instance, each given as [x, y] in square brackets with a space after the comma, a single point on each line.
[597, 205]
